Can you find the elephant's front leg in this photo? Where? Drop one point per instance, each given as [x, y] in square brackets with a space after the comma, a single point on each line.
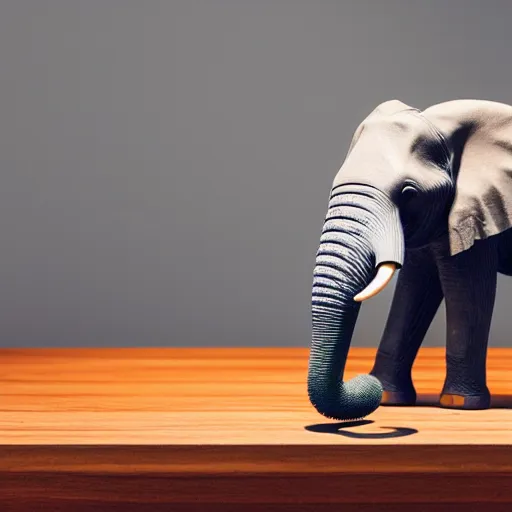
[469, 284]
[417, 297]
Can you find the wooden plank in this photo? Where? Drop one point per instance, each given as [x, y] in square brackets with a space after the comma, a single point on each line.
[217, 429]
[217, 396]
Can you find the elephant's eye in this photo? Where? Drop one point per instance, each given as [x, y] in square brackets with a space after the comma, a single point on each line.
[408, 193]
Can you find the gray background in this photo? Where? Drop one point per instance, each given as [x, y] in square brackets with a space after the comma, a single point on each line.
[165, 165]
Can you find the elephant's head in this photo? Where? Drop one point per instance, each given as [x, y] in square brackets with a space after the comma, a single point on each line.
[408, 178]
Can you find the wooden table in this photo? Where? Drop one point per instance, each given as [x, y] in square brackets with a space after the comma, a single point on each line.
[233, 430]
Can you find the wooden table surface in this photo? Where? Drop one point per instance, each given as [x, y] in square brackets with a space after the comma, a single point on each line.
[221, 427]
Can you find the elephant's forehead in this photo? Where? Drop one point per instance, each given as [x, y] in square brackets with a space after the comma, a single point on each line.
[389, 149]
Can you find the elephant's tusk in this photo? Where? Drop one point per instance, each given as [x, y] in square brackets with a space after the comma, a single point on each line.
[384, 274]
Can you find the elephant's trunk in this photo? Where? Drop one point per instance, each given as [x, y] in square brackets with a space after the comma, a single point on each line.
[362, 230]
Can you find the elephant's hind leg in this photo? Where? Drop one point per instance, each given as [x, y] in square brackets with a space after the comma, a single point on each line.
[417, 297]
[469, 284]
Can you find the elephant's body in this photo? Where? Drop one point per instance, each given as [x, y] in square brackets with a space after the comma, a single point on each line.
[429, 193]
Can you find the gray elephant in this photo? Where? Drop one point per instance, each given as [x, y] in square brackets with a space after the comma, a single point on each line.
[430, 193]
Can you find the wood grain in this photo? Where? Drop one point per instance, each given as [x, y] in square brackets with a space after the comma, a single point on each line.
[217, 429]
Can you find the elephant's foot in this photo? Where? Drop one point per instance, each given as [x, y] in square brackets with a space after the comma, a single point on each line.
[454, 400]
[396, 392]
[395, 377]
[464, 386]
[399, 397]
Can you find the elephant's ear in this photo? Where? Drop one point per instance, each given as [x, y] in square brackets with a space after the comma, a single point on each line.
[479, 137]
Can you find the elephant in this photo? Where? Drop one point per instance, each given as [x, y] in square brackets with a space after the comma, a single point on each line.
[427, 194]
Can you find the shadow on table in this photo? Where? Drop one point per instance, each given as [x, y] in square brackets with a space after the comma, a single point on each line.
[338, 429]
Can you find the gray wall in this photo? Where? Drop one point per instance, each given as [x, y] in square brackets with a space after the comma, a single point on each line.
[165, 165]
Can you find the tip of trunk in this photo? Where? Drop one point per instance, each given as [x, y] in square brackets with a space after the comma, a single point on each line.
[351, 400]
